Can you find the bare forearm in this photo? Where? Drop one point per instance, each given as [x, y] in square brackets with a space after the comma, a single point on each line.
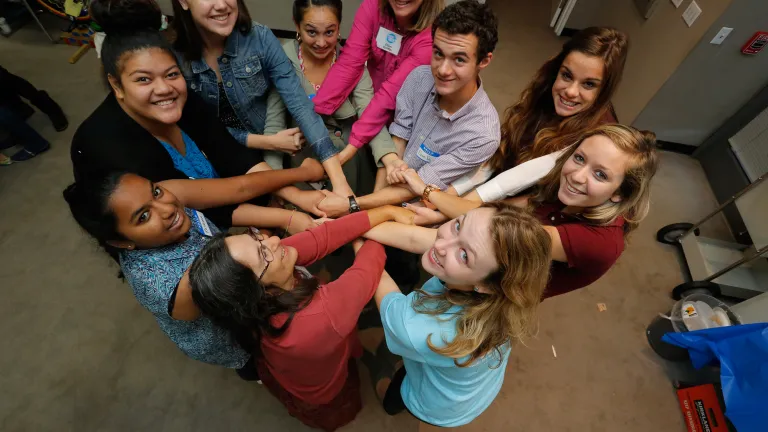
[409, 238]
[262, 217]
[332, 168]
[451, 205]
[388, 213]
[264, 142]
[389, 195]
[206, 193]
[386, 286]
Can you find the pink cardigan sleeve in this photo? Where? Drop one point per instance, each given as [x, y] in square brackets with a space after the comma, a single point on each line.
[344, 75]
[380, 110]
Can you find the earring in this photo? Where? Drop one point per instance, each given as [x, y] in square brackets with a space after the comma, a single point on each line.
[476, 289]
[298, 37]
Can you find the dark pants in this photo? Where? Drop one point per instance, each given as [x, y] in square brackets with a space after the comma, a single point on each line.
[21, 132]
[393, 400]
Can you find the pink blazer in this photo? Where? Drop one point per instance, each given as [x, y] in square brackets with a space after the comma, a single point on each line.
[388, 72]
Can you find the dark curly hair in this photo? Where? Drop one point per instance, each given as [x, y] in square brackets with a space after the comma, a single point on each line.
[470, 17]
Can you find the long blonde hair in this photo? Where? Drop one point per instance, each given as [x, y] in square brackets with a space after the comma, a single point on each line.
[528, 130]
[508, 313]
[427, 14]
[635, 190]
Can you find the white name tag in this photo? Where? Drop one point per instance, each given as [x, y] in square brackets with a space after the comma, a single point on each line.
[389, 41]
[427, 154]
[202, 224]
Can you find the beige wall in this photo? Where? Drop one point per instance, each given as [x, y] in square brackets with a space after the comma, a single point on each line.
[658, 45]
[276, 14]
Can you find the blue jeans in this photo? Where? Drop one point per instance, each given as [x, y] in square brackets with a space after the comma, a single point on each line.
[18, 128]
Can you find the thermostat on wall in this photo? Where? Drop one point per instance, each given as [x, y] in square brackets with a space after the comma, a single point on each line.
[756, 43]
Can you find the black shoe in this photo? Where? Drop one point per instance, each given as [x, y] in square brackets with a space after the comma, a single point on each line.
[249, 372]
[47, 105]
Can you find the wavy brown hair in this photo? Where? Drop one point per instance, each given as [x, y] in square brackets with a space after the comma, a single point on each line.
[427, 14]
[508, 313]
[531, 128]
[635, 190]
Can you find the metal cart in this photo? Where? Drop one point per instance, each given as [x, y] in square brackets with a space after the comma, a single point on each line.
[724, 268]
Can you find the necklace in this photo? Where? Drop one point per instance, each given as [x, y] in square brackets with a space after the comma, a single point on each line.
[303, 71]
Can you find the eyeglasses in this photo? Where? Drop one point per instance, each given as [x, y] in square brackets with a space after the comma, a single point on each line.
[266, 253]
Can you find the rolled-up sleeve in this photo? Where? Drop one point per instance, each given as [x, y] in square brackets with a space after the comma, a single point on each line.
[380, 110]
[402, 125]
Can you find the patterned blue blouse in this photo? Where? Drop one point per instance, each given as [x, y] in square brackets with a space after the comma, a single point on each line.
[154, 273]
[194, 164]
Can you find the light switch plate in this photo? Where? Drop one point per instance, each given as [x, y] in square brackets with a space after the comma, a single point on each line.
[677, 3]
[721, 35]
[691, 13]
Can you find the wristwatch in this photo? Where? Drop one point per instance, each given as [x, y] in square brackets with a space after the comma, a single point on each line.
[428, 190]
[353, 207]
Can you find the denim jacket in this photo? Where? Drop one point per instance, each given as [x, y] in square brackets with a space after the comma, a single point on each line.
[251, 64]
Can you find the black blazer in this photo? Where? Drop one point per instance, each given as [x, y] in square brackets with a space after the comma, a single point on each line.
[109, 140]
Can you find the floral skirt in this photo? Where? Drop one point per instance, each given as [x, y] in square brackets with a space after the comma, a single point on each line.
[330, 416]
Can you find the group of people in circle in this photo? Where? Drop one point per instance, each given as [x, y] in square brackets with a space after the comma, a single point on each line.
[222, 163]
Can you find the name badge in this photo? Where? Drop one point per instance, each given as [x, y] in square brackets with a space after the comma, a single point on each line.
[389, 41]
[202, 224]
[427, 154]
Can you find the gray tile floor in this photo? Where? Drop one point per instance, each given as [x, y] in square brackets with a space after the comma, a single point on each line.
[79, 354]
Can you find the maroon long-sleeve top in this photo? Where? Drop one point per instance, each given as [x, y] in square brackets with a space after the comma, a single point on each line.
[310, 358]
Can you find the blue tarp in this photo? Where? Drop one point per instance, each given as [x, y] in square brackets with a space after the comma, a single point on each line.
[743, 355]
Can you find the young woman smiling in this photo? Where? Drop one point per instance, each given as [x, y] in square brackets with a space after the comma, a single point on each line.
[391, 37]
[302, 333]
[313, 53]
[154, 233]
[489, 271]
[232, 62]
[596, 194]
[150, 125]
[569, 94]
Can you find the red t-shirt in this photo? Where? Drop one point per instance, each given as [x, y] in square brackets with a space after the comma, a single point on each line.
[591, 250]
[310, 359]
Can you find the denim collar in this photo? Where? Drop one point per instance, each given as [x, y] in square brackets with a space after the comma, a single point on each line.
[230, 50]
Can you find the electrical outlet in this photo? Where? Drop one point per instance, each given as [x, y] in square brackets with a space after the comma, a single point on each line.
[721, 35]
[691, 13]
[677, 3]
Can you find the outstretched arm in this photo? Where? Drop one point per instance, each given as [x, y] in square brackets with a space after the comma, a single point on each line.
[207, 193]
[414, 239]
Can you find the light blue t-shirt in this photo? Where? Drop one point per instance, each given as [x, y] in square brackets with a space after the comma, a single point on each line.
[436, 390]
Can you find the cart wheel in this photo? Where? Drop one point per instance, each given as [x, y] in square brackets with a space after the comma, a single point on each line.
[670, 233]
[695, 287]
